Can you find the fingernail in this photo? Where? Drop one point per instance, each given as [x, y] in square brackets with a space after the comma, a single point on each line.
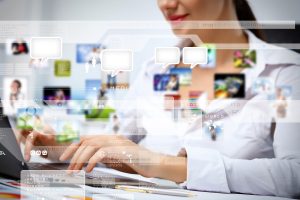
[87, 169]
[77, 167]
[27, 157]
[71, 167]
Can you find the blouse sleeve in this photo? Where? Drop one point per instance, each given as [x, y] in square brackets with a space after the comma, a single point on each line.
[209, 170]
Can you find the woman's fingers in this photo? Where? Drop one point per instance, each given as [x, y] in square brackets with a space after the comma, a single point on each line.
[111, 155]
[76, 156]
[92, 149]
[99, 141]
[96, 158]
[67, 154]
[29, 144]
[87, 153]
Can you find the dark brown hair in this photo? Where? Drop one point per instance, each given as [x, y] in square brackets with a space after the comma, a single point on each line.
[18, 83]
[245, 13]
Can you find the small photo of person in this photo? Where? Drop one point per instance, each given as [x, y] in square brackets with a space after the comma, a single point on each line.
[15, 90]
[173, 83]
[112, 83]
[88, 53]
[17, 47]
[166, 82]
[263, 85]
[56, 96]
[282, 97]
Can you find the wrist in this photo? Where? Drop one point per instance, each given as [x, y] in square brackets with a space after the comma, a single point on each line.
[151, 167]
[157, 165]
[171, 168]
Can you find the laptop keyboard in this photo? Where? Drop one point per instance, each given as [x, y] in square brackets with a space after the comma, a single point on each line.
[48, 166]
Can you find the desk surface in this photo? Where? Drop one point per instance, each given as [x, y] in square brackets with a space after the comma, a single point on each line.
[123, 195]
[200, 195]
[105, 193]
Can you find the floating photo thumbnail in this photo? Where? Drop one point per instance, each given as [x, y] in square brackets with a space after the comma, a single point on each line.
[67, 131]
[92, 89]
[17, 46]
[282, 97]
[263, 85]
[86, 53]
[244, 58]
[166, 82]
[62, 68]
[211, 56]
[185, 75]
[30, 119]
[15, 91]
[56, 96]
[229, 86]
[213, 130]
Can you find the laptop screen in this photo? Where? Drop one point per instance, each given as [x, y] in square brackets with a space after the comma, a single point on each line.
[11, 157]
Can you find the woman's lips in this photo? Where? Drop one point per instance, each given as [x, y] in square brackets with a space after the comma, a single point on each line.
[176, 19]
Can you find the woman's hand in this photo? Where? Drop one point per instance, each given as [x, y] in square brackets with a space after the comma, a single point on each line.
[115, 150]
[40, 141]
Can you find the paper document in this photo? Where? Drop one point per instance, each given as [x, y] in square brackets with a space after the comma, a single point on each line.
[118, 174]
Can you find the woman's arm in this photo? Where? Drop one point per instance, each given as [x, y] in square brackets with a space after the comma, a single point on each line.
[117, 151]
[279, 176]
[210, 171]
[171, 168]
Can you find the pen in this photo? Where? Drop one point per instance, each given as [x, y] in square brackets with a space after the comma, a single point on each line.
[154, 191]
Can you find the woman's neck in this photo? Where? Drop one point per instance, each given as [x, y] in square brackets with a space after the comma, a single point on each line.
[227, 43]
[229, 35]
[225, 39]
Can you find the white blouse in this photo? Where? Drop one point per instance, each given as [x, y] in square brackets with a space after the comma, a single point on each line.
[251, 156]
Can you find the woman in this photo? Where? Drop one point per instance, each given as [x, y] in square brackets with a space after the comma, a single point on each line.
[16, 92]
[254, 156]
[281, 103]
[15, 97]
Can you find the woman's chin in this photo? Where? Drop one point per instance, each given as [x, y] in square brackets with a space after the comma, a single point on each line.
[181, 32]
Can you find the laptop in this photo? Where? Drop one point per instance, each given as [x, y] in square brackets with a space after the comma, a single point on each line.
[13, 162]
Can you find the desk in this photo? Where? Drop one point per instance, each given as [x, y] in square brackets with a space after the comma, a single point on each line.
[124, 195]
[200, 195]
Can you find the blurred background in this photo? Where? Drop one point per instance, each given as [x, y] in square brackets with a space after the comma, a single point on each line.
[124, 10]
[114, 10]
[90, 22]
